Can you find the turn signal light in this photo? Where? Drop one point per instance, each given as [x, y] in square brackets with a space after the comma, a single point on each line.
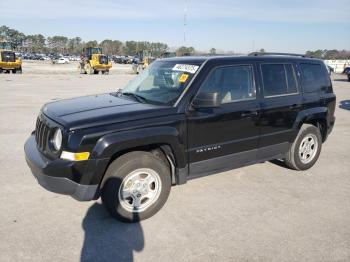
[75, 156]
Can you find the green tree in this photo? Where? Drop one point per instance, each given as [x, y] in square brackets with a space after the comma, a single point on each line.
[12, 36]
[57, 44]
[183, 50]
[91, 44]
[75, 45]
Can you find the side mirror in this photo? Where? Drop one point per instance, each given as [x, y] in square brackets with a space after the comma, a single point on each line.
[206, 100]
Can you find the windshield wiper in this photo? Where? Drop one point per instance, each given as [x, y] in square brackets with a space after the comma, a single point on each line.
[138, 98]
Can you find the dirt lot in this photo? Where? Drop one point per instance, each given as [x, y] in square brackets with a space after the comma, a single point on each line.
[263, 212]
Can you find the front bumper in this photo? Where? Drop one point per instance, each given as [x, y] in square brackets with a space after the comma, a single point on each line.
[45, 171]
[10, 65]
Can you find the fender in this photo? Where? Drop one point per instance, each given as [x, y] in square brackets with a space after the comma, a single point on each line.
[311, 114]
[110, 144]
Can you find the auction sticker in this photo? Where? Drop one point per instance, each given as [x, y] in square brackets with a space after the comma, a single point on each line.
[186, 68]
[183, 78]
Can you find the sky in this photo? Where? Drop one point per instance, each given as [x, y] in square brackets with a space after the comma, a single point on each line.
[227, 25]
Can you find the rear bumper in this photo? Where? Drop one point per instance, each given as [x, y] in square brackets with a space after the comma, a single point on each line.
[45, 171]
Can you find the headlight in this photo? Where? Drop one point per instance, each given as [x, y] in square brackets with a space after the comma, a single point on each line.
[57, 139]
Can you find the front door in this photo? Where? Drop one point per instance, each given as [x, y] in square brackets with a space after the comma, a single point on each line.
[224, 137]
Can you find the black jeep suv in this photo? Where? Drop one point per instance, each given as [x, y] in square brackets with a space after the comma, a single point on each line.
[180, 119]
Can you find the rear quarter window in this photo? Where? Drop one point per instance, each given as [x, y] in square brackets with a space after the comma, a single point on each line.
[314, 78]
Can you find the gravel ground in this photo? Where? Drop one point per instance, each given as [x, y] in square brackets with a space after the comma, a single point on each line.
[263, 212]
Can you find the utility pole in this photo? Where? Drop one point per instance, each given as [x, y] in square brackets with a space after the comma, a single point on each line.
[185, 21]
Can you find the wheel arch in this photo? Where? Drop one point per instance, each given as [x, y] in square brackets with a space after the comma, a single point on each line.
[314, 116]
[164, 142]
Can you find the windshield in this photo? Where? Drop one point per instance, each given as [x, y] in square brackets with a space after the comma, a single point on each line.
[161, 83]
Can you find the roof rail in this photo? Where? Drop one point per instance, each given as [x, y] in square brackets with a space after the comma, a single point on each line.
[277, 54]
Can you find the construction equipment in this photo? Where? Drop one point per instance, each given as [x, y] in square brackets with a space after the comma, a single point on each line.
[93, 61]
[145, 59]
[8, 60]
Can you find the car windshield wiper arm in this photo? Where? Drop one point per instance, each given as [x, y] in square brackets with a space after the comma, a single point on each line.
[139, 98]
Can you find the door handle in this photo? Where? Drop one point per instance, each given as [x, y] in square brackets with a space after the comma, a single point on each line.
[249, 114]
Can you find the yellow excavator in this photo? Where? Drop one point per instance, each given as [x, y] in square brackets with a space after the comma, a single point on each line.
[8, 60]
[93, 62]
[145, 59]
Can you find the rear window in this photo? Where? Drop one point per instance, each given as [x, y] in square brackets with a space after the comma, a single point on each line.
[279, 79]
[313, 77]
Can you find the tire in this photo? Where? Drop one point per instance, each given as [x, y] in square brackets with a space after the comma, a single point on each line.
[89, 70]
[105, 72]
[1, 71]
[129, 170]
[81, 69]
[348, 78]
[19, 70]
[303, 155]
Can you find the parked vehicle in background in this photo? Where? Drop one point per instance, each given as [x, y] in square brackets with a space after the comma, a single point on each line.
[9, 62]
[145, 59]
[119, 60]
[180, 119]
[61, 60]
[346, 70]
[93, 62]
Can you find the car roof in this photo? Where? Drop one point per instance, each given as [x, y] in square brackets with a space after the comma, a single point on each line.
[201, 59]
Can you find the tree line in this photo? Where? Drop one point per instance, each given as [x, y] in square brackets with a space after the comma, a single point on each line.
[60, 44]
[330, 54]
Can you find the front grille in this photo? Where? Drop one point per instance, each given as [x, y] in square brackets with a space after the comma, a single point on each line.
[42, 131]
[8, 57]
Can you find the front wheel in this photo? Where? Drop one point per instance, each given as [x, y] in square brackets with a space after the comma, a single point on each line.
[136, 186]
[17, 71]
[306, 148]
[89, 70]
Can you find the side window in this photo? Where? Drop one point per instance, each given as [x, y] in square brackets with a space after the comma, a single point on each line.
[279, 79]
[234, 83]
[313, 77]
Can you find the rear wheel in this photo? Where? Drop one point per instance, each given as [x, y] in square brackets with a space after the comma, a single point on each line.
[306, 148]
[19, 70]
[106, 72]
[136, 186]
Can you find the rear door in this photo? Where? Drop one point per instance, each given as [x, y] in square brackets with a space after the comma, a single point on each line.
[225, 137]
[281, 102]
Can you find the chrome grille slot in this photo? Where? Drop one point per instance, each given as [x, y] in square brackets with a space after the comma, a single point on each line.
[42, 131]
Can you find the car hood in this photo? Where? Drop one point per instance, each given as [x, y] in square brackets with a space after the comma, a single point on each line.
[95, 110]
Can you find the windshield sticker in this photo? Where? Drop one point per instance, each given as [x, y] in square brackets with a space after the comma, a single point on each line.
[183, 78]
[186, 68]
